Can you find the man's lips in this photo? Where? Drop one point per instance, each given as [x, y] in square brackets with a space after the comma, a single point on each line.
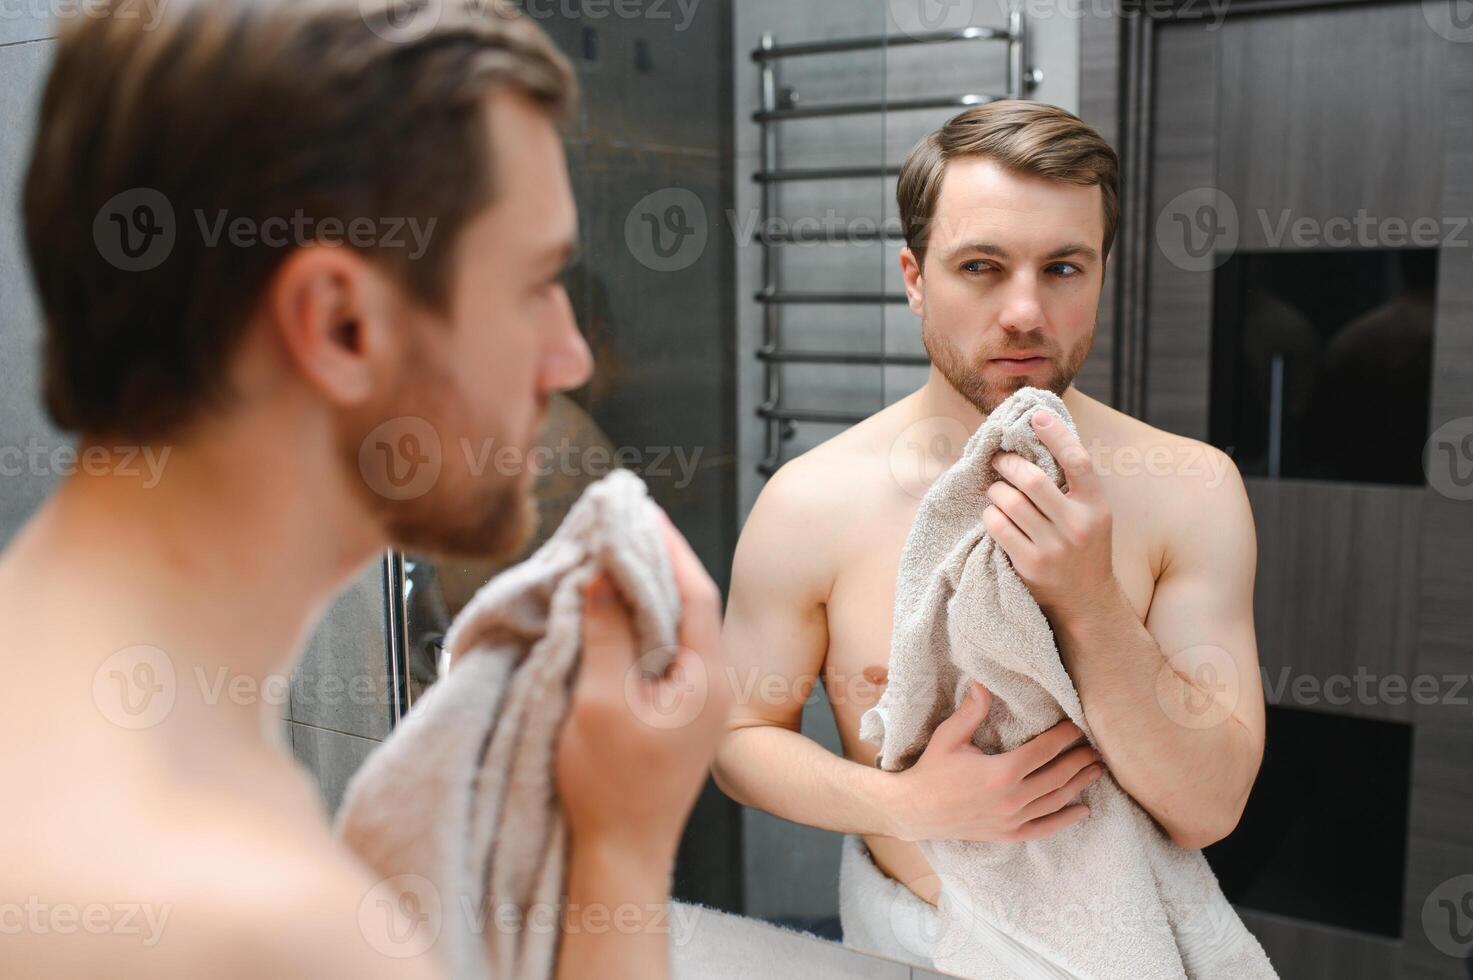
[1019, 365]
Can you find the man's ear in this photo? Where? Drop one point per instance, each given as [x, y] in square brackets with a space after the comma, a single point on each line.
[332, 310]
[915, 285]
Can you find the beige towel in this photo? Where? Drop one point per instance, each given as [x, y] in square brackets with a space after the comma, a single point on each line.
[1109, 897]
[459, 804]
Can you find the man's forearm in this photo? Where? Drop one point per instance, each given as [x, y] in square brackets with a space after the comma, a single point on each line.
[791, 776]
[616, 919]
[1193, 780]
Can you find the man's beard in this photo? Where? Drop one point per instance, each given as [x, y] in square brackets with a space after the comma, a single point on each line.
[970, 380]
[488, 515]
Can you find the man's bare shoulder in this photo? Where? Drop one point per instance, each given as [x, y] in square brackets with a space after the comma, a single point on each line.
[812, 510]
[1183, 495]
[1170, 467]
[216, 900]
[848, 471]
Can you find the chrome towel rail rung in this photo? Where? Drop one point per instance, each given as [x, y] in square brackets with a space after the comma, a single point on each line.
[780, 356]
[859, 108]
[825, 416]
[834, 299]
[880, 41]
[779, 103]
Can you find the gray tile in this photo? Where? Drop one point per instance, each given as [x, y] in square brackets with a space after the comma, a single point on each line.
[791, 871]
[341, 681]
[331, 757]
[661, 336]
[28, 467]
[702, 509]
[26, 20]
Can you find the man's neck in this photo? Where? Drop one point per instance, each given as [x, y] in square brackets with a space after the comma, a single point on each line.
[223, 555]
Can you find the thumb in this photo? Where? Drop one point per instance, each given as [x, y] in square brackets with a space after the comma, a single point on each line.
[964, 722]
[608, 634]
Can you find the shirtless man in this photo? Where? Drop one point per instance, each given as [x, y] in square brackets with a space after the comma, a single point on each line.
[1144, 569]
[154, 825]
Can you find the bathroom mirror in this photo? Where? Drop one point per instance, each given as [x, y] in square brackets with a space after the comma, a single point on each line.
[735, 165]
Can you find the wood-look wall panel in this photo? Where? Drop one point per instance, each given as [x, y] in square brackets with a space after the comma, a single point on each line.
[1099, 105]
[1300, 950]
[1336, 590]
[1440, 846]
[1314, 89]
[1331, 112]
[1184, 158]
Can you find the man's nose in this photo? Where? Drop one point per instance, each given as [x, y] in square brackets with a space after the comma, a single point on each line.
[1022, 308]
[567, 363]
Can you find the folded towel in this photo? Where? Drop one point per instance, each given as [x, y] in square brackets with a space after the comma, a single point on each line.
[1109, 897]
[461, 797]
[880, 915]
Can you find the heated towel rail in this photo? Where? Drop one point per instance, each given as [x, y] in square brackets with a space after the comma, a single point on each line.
[779, 105]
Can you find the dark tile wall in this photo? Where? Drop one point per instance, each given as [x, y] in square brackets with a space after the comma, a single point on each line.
[651, 154]
[653, 134]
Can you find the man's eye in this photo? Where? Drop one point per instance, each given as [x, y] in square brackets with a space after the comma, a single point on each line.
[1070, 270]
[974, 266]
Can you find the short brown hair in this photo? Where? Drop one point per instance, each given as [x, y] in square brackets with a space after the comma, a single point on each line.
[1026, 137]
[264, 110]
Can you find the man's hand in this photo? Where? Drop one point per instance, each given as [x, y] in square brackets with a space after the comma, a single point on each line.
[955, 791]
[634, 751]
[1059, 542]
[631, 759]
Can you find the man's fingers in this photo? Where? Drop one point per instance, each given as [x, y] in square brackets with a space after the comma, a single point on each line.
[965, 720]
[608, 634]
[1041, 749]
[1063, 768]
[1079, 471]
[1051, 824]
[1052, 801]
[1034, 485]
[1003, 530]
[693, 684]
[1022, 511]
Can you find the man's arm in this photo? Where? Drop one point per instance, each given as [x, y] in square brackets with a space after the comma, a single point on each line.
[1175, 703]
[774, 642]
